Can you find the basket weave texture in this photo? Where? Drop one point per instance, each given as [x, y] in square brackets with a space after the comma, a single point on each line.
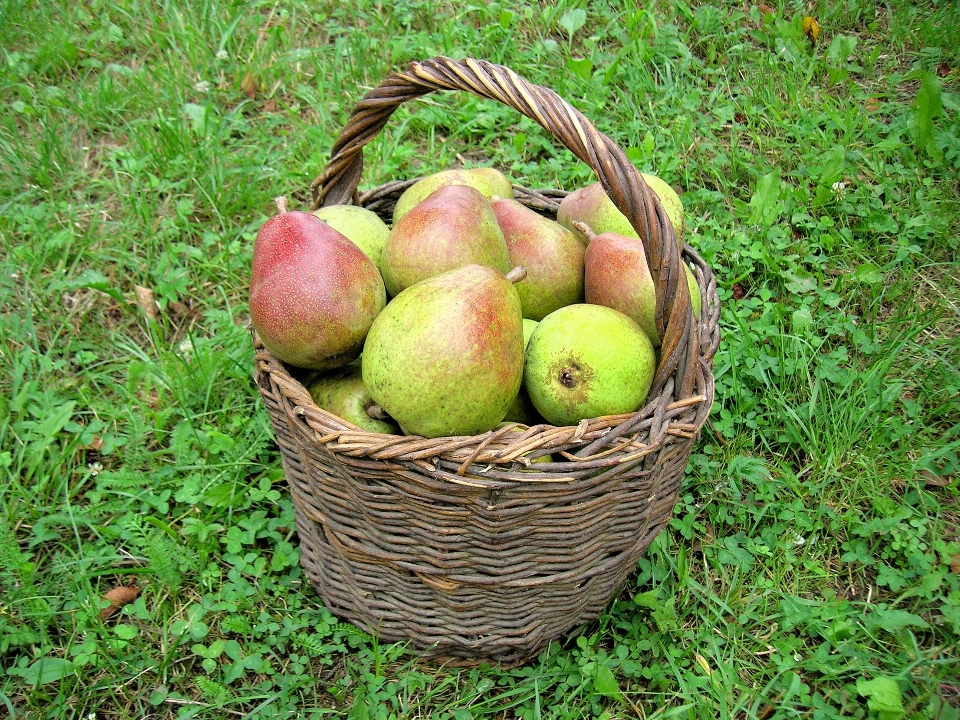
[460, 544]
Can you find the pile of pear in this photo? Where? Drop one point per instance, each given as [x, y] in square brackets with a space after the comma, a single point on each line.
[468, 311]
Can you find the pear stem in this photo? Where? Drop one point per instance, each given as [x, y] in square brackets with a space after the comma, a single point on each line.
[377, 412]
[281, 203]
[517, 274]
[585, 230]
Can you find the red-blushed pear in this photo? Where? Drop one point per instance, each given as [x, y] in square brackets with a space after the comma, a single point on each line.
[591, 205]
[550, 253]
[584, 361]
[455, 226]
[445, 357]
[313, 293]
[616, 275]
[487, 181]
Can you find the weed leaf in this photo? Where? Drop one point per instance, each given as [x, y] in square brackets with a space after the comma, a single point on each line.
[47, 669]
[927, 106]
[605, 683]
[883, 697]
[573, 20]
[766, 200]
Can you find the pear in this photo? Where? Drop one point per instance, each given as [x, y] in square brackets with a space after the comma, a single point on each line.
[487, 181]
[616, 275]
[362, 227]
[453, 227]
[313, 293]
[585, 361]
[445, 357]
[343, 393]
[551, 254]
[521, 410]
[591, 205]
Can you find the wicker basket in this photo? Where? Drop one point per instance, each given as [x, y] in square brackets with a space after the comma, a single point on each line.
[459, 544]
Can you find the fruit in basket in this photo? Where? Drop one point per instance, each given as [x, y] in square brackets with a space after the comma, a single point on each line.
[616, 275]
[313, 293]
[445, 357]
[521, 410]
[487, 181]
[362, 227]
[551, 254]
[455, 226]
[584, 361]
[343, 393]
[592, 205]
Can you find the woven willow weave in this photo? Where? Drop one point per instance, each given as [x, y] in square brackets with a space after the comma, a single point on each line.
[460, 544]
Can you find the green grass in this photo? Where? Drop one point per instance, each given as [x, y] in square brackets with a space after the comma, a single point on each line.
[812, 569]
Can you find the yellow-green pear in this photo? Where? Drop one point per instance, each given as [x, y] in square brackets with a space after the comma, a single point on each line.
[362, 227]
[584, 361]
[487, 181]
[592, 206]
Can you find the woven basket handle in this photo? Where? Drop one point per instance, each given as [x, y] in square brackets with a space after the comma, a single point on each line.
[624, 185]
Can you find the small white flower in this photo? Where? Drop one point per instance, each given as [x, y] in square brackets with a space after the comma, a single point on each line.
[185, 347]
[839, 187]
[95, 469]
[202, 86]
[799, 540]
[222, 55]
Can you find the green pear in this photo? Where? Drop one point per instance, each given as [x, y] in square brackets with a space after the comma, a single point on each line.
[695, 297]
[550, 253]
[521, 410]
[592, 206]
[455, 226]
[616, 275]
[343, 393]
[362, 227]
[585, 361]
[487, 181]
[446, 355]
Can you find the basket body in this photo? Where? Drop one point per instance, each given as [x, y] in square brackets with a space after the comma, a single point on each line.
[477, 567]
[486, 548]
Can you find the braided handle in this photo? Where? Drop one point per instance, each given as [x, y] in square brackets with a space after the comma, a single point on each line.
[678, 329]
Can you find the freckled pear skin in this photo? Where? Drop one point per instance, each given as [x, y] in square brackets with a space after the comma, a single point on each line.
[313, 293]
[551, 254]
[455, 226]
[584, 361]
[616, 275]
[445, 357]
[487, 181]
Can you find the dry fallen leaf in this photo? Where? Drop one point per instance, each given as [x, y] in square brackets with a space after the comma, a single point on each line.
[147, 303]
[811, 28]
[118, 597]
[955, 564]
[871, 104]
[765, 9]
[249, 85]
